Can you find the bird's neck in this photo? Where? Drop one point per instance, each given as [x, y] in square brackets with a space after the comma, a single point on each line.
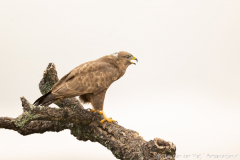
[120, 65]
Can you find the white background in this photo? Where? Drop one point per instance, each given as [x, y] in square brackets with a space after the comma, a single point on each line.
[185, 88]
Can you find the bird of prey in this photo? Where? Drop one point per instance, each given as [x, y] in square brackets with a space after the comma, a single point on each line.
[90, 81]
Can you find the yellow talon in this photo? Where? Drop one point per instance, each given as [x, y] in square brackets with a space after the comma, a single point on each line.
[110, 120]
[100, 112]
[92, 110]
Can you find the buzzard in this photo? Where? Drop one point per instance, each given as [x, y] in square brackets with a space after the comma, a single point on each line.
[90, 81]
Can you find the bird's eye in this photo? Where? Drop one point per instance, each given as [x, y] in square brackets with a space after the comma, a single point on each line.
[127, 56]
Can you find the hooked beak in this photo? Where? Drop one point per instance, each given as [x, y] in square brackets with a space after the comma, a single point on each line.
[134, 58]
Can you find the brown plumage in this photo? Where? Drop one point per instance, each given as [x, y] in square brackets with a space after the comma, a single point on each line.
[90, 81]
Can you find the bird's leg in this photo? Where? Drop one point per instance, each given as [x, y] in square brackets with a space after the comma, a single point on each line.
[97, 103]
[106, 118]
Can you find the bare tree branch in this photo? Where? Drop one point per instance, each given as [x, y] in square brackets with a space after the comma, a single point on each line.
[84, 125]
[34, 126]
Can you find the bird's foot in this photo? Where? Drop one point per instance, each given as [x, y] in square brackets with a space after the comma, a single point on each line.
[92, 110]
[100, 112]
[110, 120]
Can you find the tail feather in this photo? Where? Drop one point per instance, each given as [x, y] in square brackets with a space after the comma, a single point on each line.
[44, 99]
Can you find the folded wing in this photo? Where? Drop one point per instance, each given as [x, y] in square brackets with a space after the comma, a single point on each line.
[92, 77]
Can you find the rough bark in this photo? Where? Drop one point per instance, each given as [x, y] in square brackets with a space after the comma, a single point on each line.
[124, 143]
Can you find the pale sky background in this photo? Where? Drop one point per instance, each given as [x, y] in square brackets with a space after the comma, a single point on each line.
[185, 88]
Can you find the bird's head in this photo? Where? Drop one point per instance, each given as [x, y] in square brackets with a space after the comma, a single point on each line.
[125, 57]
